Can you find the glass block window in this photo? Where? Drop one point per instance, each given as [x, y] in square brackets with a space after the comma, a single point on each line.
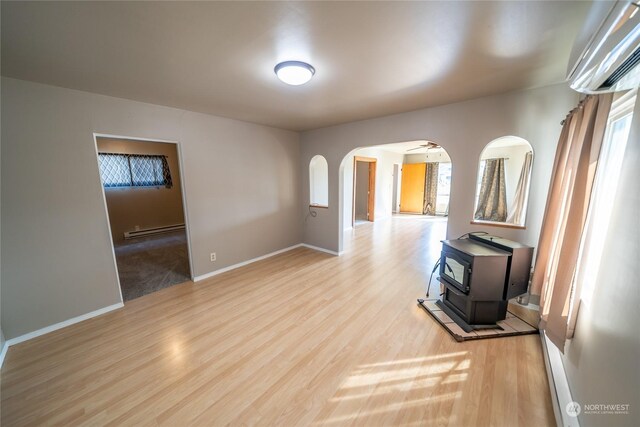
[134, 170]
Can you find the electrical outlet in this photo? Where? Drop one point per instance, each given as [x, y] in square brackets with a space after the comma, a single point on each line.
[213, 256]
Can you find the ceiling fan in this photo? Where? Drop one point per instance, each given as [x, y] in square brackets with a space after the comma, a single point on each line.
[428, 146]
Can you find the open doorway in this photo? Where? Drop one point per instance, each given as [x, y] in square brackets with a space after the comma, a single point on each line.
[426, 180]
[391, 161]
[142, 187]
[364, 189]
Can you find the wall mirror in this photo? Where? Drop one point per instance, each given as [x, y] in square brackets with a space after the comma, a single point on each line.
[504, 176]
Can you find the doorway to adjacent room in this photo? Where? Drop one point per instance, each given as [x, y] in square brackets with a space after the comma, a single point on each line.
[374, 182]
[426, 181]
[364, 190]
[143, 194]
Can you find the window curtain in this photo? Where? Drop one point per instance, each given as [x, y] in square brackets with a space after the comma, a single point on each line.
[493, 194]
[518, 208]
[430, 189]
[166, 172]
[566, 211]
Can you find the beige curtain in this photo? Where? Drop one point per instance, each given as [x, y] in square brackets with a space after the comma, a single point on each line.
[518, 207]
[430, 189]
[566, 211]
[493, 194]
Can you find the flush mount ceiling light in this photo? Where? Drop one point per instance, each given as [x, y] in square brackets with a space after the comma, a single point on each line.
[294, 73]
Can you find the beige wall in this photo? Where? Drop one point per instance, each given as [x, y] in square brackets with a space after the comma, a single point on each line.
[143, 207]
[601, 361]
[241, 180]
[463, 129]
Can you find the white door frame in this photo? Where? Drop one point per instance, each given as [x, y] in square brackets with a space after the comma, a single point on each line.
[397, 177]
[182, 188]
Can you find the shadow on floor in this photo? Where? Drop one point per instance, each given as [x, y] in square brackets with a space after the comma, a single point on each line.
[149, 264]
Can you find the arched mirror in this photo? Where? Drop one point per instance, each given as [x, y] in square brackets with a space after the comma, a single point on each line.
[318, 182]
[504, 175]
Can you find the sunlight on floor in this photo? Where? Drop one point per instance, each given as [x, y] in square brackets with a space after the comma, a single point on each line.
[395, 386]
[395, 408]
[359, 378]
[415, 359]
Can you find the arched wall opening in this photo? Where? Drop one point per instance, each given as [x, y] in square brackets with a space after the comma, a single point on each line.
[503, 182]
[318, 181]
[434, 166]
[463, 129]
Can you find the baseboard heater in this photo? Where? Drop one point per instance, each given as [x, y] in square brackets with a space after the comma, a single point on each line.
[152, 231]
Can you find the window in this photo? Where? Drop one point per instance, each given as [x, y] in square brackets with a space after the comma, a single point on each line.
[134, 170]
[602, 202]
[444, 189]
[319, 182]
[502, 187]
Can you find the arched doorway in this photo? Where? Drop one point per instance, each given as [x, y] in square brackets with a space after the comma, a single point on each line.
[412, 179]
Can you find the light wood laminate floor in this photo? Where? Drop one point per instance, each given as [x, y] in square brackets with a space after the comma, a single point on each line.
[302, 338]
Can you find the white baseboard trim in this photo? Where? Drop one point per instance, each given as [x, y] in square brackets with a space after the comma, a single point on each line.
[317, 248]
[260, 258]
[22, 338]
[3, 353]
[558, 383]
[78, 319]
[243, 263]
[63, 324]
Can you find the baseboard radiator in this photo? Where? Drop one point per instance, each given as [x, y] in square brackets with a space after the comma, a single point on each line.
[151, 231]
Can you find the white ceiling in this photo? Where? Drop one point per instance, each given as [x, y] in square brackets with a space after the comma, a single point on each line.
[372, 58]
[409, 147]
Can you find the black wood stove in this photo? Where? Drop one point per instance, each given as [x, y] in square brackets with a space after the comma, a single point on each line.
[480, 274]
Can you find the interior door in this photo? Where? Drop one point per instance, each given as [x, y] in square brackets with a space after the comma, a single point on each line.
[371, 203]
[412, 190]
[369, 185]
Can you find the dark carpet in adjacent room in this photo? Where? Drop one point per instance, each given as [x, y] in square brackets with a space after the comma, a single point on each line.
[148, 264]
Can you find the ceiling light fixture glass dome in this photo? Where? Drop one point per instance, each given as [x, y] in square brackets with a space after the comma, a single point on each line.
[294, 73]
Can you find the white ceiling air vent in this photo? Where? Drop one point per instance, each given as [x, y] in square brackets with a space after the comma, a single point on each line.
[608, 61]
